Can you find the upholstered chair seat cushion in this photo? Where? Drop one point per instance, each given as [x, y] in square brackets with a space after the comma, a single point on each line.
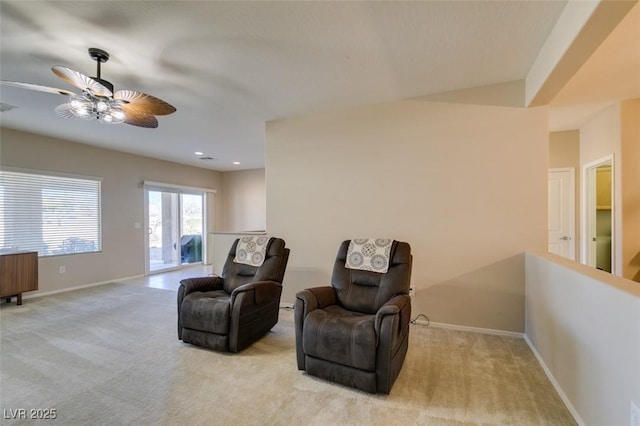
[341, 336]
[207, 311]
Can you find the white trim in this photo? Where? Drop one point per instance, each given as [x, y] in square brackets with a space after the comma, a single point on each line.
[161, 186]
[205, 196]
[585, 206]
[555, 383]
[238, 233]
[64, 290]
[145, 228]
[493, 331]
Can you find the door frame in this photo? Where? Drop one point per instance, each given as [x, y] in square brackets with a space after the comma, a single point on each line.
[588, 211]
[147, 264]
[572, 207]
[207, 217]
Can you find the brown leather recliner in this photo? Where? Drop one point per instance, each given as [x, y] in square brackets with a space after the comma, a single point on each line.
[230, 312]
[356, 332]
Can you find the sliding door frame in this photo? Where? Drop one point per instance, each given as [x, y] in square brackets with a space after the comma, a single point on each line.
[207, 221]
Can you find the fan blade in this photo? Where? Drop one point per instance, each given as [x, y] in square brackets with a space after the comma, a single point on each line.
[37, 87]
[81, 81]
[140, 119]
[144, 103]
[63, 110]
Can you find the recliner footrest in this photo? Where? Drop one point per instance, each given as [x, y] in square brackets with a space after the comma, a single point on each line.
[348, 376]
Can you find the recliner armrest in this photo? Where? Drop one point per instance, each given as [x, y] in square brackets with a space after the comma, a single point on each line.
[190, 285]
[263, 291]
[317, 298]
[307, 301]
[400, 304]
[201, 284]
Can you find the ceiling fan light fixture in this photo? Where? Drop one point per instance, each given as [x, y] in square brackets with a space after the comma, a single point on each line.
[102, 106]
[118, 114]
[102, 109]
[111, 114]
[80, 106]
[114, 115]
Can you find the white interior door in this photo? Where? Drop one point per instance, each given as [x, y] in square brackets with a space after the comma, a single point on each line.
[562, 212]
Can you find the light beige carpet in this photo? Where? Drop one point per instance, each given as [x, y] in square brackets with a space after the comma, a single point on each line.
[109, 355]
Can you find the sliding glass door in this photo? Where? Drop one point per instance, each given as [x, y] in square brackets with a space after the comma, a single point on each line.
[162, 231]
[191, 228]
[175, 228]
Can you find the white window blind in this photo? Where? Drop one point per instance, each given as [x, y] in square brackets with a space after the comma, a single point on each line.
[52, 215]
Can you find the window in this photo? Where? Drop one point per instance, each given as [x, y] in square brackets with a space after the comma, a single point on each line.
[52, 215]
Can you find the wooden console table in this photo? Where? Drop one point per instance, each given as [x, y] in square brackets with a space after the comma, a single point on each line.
[18, 274]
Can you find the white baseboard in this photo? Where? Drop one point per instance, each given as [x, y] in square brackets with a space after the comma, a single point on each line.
[555, 383]
[284, 305]
[505, 333]
[64, 290]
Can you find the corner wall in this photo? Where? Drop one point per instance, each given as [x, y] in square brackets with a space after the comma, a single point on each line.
[244, 201]
[615, 130]
[465, 185]
[599, 138]
[584, 326]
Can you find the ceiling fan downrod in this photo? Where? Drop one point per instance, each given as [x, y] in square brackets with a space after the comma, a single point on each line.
[100, 56]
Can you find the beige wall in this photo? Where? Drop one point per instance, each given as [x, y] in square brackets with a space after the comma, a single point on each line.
[585, 327]
[630, 167]
[244, 200]
[600, 137]
[614, 130]
[564, 149]
[465, 185]
[122, 202]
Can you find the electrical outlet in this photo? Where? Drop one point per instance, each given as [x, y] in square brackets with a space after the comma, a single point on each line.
[635, 415]
[412, 292]
[62, 269]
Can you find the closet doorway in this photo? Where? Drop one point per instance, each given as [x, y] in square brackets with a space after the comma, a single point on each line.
[598, 247]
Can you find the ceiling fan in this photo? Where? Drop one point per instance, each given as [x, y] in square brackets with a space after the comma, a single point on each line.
[98, 101]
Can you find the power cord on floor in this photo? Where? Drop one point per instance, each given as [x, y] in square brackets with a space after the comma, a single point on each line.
[414, 321]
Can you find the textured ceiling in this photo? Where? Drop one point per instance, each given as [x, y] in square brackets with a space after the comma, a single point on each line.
[229, 67]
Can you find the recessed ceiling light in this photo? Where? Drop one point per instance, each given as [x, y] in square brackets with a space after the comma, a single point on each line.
[198, 153]
[236, 162]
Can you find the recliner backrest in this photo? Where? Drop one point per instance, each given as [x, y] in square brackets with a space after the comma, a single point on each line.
[272, 269]
[366, 291]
